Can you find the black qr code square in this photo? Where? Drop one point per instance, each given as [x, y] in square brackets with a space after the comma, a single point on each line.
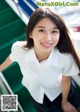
[9, 102]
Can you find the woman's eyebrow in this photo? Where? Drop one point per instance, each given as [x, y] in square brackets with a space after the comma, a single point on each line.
[55, 28]
[44, 27]
[41, 27]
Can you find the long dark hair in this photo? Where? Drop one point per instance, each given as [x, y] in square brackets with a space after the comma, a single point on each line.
[65, 44]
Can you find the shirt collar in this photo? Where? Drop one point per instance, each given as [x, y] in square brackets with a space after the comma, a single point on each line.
[52, 59]
[30, 55]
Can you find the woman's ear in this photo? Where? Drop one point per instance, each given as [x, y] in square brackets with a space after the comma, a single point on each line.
[30, 35]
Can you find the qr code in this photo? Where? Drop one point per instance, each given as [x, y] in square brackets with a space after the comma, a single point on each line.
[9, 102]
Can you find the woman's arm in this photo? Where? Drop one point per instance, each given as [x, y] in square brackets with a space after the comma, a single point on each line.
[66, 106]
[6, 63]
[65, 88]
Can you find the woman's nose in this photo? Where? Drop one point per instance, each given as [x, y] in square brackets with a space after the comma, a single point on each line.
[48, 36]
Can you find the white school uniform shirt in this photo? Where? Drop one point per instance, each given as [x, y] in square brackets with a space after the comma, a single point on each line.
[44, 77]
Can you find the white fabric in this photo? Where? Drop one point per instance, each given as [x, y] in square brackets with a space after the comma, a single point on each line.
[44, 77]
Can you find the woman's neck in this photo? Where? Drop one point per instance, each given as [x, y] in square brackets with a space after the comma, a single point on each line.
[41, 56]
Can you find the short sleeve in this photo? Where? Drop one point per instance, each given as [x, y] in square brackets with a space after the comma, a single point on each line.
[70, 68]
[16, 51]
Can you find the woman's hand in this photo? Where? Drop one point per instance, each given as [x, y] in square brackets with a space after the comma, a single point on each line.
[68, 107]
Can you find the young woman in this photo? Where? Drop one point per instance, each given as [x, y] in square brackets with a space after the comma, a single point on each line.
[47, 61]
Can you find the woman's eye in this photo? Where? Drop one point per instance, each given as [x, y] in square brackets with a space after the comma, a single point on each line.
[54, 31]
[41, 30]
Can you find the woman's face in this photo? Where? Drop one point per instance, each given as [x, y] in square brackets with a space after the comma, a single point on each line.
[45, 36]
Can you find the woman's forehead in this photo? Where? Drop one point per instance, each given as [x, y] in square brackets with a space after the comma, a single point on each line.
[46, 22]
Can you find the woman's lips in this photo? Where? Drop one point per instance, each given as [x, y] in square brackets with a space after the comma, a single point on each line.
[47, 45]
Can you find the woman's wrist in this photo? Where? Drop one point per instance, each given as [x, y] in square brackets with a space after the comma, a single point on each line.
[63, 102]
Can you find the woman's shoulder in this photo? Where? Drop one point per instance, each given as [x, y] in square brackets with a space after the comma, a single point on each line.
[64, 57]
[20, 43]
[18, 50]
